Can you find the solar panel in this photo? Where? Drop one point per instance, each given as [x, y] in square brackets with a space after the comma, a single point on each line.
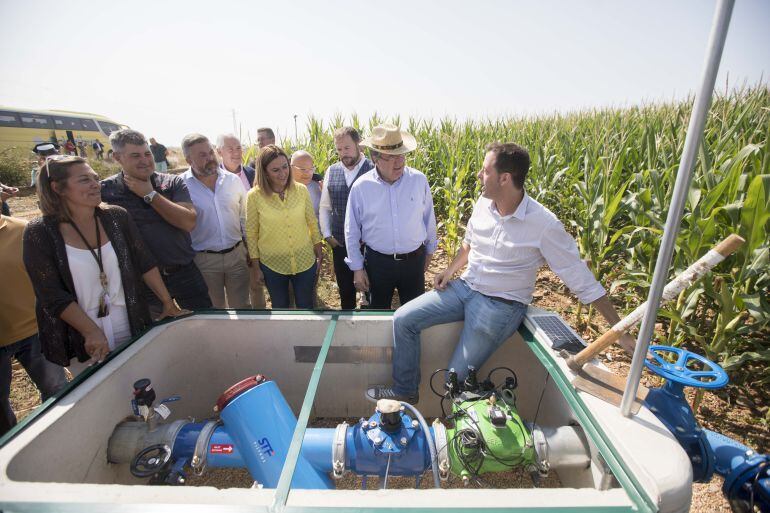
[562, 337]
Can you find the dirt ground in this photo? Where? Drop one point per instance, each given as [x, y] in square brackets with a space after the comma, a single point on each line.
[719, 410]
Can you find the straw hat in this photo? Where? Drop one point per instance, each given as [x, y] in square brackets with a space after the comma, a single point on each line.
[390, 139]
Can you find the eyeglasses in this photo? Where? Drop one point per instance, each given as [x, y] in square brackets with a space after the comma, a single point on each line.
[49, 159]
[390, 158]
[305, 169]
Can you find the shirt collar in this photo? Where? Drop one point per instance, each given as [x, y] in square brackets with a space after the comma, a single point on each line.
[224, 169]
[520, 212]
[358, 165]
[153, 179]
[189, 174]
[379, 178]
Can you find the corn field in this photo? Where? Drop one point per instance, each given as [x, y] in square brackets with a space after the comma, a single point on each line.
[608, 175]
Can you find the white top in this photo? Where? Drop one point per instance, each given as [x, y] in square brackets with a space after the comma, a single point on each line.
[85, 275]
[325, 206]
[240, 174]
[221, 212]
[88, 288]
[507, 251]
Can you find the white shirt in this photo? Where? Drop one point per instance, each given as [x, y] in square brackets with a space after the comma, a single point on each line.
[221, 212]
[240, 174]
[88, 289]
[507, 251]
[325, 207]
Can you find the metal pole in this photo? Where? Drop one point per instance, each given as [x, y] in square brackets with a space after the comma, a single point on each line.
[716, 44]
[295, 129]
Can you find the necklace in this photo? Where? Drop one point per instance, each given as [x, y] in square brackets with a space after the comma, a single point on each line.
[104, 307]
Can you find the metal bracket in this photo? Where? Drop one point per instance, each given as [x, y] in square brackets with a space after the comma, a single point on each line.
[198, 462]
[440, 439]
[338, 450]
[541, 449]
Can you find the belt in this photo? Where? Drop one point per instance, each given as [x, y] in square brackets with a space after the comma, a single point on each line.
[222, 251]
[509, 302]
[399, 256]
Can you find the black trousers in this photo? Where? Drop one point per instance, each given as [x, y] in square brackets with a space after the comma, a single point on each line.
[344, 277]
[387, 274]
[186, 285]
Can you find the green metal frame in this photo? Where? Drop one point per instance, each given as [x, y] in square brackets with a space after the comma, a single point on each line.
[640, 499]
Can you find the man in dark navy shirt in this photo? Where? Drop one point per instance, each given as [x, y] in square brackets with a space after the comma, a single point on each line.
[162, 210]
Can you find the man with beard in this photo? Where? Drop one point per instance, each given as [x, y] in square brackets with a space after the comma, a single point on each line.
[508, 238]
[390, 214]
[220, 202]
[162, 210]
[334, 200]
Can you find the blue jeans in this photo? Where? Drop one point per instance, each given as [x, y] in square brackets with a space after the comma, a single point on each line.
[278, 286]
[48, 376]
[488, 323]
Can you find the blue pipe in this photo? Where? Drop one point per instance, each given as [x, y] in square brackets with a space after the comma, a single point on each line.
[222, 451]
[746, 472]
[261, 424]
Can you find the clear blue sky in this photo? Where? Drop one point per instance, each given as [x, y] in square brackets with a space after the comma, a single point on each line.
[173, 67]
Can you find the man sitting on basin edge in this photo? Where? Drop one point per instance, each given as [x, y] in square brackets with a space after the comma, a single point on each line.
[509, 237]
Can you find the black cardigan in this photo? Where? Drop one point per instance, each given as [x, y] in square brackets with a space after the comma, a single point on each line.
[45, 258]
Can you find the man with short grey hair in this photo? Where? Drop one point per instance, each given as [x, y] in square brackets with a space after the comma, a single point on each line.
[220, 202]
[231, 152]
[161, 207]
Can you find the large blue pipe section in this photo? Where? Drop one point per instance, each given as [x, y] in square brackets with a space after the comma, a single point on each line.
[261, 423]
[260, 420]
[745, 471]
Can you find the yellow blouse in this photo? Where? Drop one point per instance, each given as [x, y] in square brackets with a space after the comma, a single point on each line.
[282, 233]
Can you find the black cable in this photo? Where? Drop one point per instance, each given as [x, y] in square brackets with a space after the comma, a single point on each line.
[542, 393]
[484, 447]
[430, 381]
[515, 378]
[755, 482]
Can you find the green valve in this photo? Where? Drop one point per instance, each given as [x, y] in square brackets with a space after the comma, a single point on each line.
[488, 436]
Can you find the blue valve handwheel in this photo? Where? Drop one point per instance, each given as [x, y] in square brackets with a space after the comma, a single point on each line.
[711, 376]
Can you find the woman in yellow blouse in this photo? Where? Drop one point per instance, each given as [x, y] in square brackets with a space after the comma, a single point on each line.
[282, 231]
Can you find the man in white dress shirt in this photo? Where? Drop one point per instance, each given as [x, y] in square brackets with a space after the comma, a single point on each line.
[230, 152]
[220, 202]
[508, 238]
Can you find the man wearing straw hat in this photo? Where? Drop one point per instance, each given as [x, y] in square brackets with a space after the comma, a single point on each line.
[508, 238]
[390, 218]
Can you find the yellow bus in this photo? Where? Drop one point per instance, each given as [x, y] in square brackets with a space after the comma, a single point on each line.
[23, 128]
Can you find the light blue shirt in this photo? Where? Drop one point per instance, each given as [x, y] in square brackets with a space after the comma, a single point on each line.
[221, 212]
[389, 218]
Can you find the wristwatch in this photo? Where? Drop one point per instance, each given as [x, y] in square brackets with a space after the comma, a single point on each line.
[150, 196]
